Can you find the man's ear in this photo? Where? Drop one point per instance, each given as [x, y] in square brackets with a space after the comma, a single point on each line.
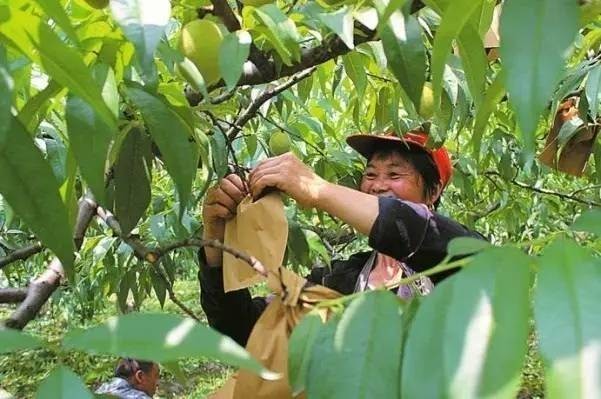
[436, 193]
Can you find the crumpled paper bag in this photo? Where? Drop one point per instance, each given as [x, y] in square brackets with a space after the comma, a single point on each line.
[259, 229]
[575, 153]
[268, 341]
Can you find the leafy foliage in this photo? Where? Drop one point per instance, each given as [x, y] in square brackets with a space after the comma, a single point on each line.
[102, 101]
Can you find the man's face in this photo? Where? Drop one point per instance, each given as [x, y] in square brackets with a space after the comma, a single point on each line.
[391, 175]
[147, 382]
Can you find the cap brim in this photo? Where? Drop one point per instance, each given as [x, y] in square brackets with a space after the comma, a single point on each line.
[366, 144]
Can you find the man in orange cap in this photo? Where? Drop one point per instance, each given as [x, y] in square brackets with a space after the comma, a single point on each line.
[394, 206]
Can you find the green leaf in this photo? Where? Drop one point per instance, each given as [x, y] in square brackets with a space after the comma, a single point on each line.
[159, 286]
[593, 91]
[166, 338]
[354, 66]
[36, 108]
[566, 310]
[90, 138]
[364, 359]
[233, 53]
[568, 129]
[470, 325]
[28, 185]
[132, 179]
[456, 15]
[494, 94]
[473, 59]
[280, 31]
[589, 221]
[6, 87]
[63, 383]
[173, 137]
[300, 349]
[13, 340]
[405, 52]
[143, 22]
[466, 246]
[105, 76]
[219, 154]
[341, 23]
[55, 10]
[41, 45]
[533, 55]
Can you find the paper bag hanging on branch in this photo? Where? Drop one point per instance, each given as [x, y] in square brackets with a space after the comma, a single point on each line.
[268, 341]
[570, 158]
[259, 229]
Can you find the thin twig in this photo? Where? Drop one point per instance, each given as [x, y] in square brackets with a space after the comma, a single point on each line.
[547, 191]
[21, 254]
[254, 106]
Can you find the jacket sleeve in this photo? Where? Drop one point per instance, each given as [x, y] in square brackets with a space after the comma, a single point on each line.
[413, 234]
[234, 313]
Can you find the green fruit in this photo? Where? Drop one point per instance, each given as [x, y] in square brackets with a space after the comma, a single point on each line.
[98, 4]
[200, 41]
[279, 143]
[256, 3]
[426, 104]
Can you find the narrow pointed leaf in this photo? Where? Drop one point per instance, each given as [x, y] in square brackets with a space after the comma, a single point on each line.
[494, 94]
[166, 338]
[473, 59]
[29, 186]
[63, 383]
[469, 326]
[173, 137]
[300, 349]
[456, 16]
[232, 55]
[566, 309]
[354, 66]
[132, 179]
[13, 340]
[6, 87]
[90, 138]
[533, 55]
[405, 52]
[143, 22]
[280, 31]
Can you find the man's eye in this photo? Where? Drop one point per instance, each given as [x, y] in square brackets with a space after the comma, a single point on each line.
[370, 176]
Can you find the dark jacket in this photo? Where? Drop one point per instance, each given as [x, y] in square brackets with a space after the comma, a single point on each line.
[403, 230]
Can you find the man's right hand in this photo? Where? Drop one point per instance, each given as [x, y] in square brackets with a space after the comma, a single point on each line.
[219, 206]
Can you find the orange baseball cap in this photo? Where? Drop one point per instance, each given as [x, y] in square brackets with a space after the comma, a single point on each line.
[365, 144]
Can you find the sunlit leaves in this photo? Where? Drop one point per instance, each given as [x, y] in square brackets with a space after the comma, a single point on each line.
[533, 55]
[341, 23]
[232, 55]
[161, 338]
[36, 40]
[354, 66]
[29, 186]
[56, 12]
[405, 52]
[144, 23]
[279, 30]
[173, 137]
[62, 383]
[467, 327]
[13, 340]
[567, 297]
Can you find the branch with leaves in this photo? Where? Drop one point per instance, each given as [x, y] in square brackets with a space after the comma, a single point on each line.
[40, 289]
